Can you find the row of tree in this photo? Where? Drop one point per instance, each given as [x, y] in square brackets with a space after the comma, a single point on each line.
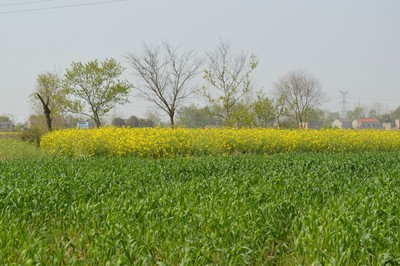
[90, 89]
[260, 114]
[168, 78]
[375, 111]
[133, 121]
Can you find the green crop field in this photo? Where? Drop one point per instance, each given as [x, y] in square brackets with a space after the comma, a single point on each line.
[284, 209]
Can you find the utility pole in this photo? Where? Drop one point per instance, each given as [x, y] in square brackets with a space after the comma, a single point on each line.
[343, 111]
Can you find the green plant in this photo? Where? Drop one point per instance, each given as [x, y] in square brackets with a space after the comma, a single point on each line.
[13, 148]
[32, 135]
[285, 209]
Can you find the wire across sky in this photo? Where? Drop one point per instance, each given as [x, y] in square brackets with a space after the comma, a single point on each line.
[26, 3]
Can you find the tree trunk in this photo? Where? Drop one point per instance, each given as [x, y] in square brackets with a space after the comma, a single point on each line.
[171, 119]
[47, 112]
[97, 120]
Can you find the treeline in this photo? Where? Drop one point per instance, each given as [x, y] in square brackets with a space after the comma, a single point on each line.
[133, 121]
[169, 79]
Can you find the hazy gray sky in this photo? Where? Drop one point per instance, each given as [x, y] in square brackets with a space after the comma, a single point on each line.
[349, 45]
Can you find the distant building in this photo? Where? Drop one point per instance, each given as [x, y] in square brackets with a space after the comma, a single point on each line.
[312, 125]
[367, 123]
[39, 121]
[82, 124]
[397, 122]
[7, 126]
[388, 125]
[342, 123]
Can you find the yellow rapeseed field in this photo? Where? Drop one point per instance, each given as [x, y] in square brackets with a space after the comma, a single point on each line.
[165, 142]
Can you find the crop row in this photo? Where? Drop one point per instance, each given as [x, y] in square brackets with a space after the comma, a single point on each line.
[161, 142]
[285, 209]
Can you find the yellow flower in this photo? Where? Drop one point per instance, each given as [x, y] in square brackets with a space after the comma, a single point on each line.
[166, 142]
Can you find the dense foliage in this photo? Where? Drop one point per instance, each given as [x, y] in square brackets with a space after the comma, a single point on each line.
[297, 208]
[164, 142]
[94, 88]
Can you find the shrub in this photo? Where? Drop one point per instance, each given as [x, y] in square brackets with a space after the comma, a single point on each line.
[32, 135]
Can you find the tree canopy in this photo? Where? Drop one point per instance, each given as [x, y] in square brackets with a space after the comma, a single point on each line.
[5, 118]
[228, 79]
[192, 116]
[49, 95]
[94, 88]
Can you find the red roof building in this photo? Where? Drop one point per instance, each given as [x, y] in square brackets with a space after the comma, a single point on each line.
[367, 123]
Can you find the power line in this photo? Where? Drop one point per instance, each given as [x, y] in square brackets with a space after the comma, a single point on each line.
[368, 99]
[26, 3]
[375, 99]
[60, 7]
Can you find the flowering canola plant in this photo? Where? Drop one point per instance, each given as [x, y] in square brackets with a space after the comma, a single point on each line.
[166, 142]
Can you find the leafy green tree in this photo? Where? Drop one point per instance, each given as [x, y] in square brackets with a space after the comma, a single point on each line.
[5, 118]
[359, 111]
[315, 115]
[258, 113]
[241, 116]
[229, 79]
[93, 89]
[281, 113]
[386, 118]
[193, 116]
[132, 121]
[145, 122]
[395, 114]
[264, 111]
[373, 114]
[49, 95]
[154, 117]
[118, 122]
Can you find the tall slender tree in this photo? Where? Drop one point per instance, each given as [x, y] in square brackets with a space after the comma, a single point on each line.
[228, 79]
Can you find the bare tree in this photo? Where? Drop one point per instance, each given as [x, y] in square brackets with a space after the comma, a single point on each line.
[299, 93]
[165, 76]
[228, 77]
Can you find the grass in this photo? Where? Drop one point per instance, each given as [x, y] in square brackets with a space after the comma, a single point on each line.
[13, 148]
[285, 209]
